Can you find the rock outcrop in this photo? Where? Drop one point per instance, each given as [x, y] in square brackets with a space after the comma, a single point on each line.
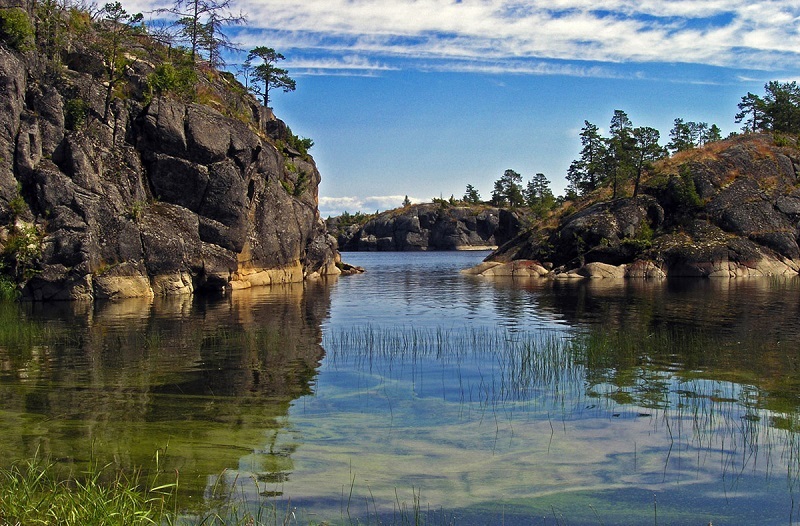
[430, 227]
[730, 209]
[157, 197]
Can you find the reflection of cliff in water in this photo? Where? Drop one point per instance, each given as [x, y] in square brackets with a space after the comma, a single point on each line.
[729, 308]
[210, 380]
[739, 330]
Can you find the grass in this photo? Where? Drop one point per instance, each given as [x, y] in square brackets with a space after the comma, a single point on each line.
[32, 493]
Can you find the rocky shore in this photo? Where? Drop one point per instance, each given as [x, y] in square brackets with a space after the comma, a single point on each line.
[730, 209]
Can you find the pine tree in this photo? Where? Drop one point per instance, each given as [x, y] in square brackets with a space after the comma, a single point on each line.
[752, 109]
[471, 195]
[266, 76]
[116, 34]
[508, 190]
[647, 151]
[199, 24]
[585, 174]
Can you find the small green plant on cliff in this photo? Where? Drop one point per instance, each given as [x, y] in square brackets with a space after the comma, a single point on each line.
[636, 244]
[643, 239]
[17, 205]
[301, 144]
[136, 210]
[178, 80]
[75, 112]
[16, 29]
[22, 250]
[301, 185]
[686, 192]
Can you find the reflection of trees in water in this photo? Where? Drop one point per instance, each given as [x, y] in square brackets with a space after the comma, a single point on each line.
[120, 380]
[738, 330]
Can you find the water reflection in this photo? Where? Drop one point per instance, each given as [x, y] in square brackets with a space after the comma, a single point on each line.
[736, 330]
[209, 380]
[496, 401]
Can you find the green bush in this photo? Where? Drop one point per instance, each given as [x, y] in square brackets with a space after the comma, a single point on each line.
[23, 249]
[686, 192]
[168, 79]
[75, 112]
[17, 205]
[301, 185]
[359, 218]
[301, 144]
[16, 29]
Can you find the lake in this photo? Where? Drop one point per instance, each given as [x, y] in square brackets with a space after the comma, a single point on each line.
[412, 393]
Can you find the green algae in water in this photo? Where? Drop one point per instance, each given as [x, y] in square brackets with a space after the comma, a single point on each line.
[207, 385]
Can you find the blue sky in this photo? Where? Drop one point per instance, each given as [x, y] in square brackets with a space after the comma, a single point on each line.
[422, 97]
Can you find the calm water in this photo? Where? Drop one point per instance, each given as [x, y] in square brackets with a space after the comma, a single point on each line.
[413, 389]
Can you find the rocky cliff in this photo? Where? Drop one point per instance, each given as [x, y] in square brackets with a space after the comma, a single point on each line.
[729, 209]
[430, 227]
[157, 195]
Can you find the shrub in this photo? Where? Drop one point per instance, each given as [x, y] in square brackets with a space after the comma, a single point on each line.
[168, 79]
[301, 185]
[16, 29]
[686, 192]
[17, 205]
[23, 249]
[348, 219]
[75, 112]
[301, 144]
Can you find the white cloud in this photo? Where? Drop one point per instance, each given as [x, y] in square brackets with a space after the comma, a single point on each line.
[334, 206]
[366, 37]
[699, 31]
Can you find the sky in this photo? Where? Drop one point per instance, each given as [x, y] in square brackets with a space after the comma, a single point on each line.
[419, 98]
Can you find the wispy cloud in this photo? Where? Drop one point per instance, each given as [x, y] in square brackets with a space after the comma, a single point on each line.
[502, 34]
[367, 37]
[345, 65]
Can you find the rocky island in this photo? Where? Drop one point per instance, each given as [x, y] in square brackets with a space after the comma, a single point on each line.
[122, 182]
[430, 226]
[730, 208]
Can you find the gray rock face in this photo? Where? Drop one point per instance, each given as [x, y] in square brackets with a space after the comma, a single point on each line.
[431, 227]
[729, 210]
[163, 198]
